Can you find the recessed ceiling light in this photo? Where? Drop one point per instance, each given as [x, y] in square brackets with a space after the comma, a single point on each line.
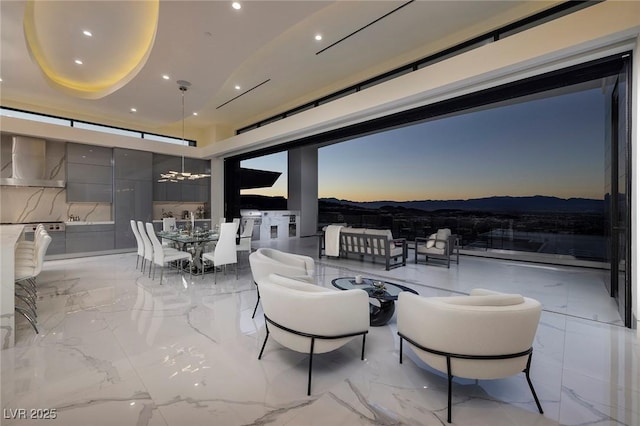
[0, 80]
[236, 5]
[195, 113]
[237, 87]
[318, 37]
[133, 110]
[166, 77]
[78, 61]
[87, 33]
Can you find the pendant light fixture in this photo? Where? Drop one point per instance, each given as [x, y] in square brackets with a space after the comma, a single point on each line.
[172, 175]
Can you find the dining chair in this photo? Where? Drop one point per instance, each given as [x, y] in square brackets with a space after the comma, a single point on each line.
[162, 255]
[245, 238]
[139, 242]
[225, 251]
[148, 247]
[168, 225]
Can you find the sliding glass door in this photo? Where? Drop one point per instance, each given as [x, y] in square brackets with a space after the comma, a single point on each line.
[617, 188]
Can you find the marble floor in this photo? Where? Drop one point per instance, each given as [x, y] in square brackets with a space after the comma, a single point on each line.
[117, 348]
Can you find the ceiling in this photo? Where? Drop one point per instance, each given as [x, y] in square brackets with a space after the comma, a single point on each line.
[267, 48]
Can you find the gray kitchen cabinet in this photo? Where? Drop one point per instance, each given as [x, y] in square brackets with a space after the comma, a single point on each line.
[89, 192]
[89, 173]
[90, 238]
[88, 154]
[133, 198]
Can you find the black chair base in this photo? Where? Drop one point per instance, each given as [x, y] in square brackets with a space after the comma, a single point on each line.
[313, 338]
[450, 376]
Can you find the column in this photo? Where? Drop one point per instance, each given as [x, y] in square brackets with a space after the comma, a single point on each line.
[303, 187]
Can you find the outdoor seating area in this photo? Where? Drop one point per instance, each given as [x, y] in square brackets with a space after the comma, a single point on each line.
[373, 244]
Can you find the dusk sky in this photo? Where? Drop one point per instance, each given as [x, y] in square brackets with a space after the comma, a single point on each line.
[551, 146]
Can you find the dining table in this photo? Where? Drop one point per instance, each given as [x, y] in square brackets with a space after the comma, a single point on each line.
[194, 242]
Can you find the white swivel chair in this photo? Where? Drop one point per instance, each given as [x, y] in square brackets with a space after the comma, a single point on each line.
[265, 261]
[162, 255]
[296, 315]
[486, 335]
[225, 251]
[139, 242]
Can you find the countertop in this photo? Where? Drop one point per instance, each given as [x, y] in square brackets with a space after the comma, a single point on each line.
[183, 220]
[98, 222]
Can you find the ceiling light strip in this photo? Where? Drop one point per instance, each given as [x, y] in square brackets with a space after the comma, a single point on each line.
[244, 93]
[362, 28]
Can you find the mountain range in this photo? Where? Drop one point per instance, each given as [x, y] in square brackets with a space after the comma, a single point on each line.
[536, 203]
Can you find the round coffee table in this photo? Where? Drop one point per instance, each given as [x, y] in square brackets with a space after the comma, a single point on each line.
[386, 296]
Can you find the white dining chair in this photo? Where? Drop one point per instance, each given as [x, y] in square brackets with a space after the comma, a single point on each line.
[162, 255]
[139, 242]
[148, 247]
[244, 245]
[168, 225]
[225, 251]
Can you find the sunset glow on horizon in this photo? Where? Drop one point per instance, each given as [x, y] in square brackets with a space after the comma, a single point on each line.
[550, 146]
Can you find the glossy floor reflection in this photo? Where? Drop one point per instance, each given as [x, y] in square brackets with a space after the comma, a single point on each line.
[116, 348]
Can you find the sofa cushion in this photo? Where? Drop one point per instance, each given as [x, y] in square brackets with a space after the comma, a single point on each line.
[431, 241]
[350, 230]
[430, 250]
[384, 232]
[442, 235]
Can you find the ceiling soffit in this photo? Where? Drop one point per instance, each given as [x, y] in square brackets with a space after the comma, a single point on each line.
[110, 59]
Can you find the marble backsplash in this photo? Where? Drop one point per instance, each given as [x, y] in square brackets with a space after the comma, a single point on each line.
[30, 204]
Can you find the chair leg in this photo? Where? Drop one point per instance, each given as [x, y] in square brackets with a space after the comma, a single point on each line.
[364, 337]
[313, 340]
[265, 341]
[25, 314]
[535, 396]
[400, 350]
[29, 304]
[257, 302]
[450, 380]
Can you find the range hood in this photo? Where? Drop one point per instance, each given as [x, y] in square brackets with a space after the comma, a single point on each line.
[28, 164]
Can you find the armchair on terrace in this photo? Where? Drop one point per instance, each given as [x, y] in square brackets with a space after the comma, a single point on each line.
[442, 245]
